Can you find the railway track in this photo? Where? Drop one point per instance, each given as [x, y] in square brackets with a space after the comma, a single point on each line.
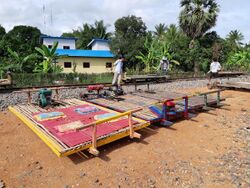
[72, 86]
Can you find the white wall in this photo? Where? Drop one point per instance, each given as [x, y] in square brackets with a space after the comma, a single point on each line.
[61, 42]
[98, 45]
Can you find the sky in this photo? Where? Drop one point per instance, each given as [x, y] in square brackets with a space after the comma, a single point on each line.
[53, 17]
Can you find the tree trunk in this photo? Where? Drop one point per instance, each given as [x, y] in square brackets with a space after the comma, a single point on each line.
[196, 67]
[196, 63]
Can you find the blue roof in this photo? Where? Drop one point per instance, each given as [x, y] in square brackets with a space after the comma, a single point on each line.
[85, 53]
[51, 37]
[97, 40]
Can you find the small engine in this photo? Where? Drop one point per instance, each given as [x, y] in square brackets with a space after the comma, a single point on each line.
[45, 97]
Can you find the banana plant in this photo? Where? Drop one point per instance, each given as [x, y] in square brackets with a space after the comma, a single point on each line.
[240, 60]
[17, 64]
[49, 56]
[151, 56]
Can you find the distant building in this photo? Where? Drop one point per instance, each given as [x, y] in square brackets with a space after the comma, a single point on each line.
[63, 42]
[99, 44]
[97, 60]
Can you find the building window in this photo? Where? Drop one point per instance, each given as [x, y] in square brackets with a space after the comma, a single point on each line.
[86, 65]
[66, 47]
[49, 46]
[108, 65]
[67, 65]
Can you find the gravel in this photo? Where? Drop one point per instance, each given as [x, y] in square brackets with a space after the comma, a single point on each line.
[7, 99]
[234, 165]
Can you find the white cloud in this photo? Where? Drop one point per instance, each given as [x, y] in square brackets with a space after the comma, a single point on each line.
[68, 15]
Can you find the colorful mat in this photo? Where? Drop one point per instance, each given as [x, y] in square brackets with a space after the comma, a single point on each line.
[84, 114]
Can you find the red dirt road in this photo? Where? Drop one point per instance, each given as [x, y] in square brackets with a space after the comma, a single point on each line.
[211, 150]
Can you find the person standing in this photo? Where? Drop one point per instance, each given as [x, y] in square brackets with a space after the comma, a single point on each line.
[118, 71]
[164, 65]
[215, 67]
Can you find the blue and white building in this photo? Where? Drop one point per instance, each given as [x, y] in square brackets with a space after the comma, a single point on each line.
[97, 60]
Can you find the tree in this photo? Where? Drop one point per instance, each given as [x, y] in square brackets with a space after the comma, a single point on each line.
[151, 54]
[239, 60]
[160, 30]
[49, 58]
[84, 35]
[22, 39]
[234, 39]
[68, 34]
[196, 18]
[17, 63]
[129, 37]
[155, 50]
[100, 30]
[2, 32]
[88, 32]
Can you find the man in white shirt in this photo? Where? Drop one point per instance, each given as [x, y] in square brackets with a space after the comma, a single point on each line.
[215, 67]
[118, 66]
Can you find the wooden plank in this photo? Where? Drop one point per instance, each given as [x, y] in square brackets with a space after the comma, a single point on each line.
[239, 85]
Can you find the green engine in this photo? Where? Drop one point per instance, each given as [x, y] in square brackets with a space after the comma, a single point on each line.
[45, 97]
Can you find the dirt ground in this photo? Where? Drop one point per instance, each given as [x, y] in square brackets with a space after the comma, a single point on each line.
[210, 150]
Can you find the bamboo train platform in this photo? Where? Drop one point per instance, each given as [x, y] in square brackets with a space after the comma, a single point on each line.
[235, 85]
[77, 125]
[131, 101]
[74, 125]
[145, 100]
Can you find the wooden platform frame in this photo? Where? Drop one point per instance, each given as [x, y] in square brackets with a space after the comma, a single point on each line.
[61, 151]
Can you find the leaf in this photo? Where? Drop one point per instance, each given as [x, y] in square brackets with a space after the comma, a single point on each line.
[40, 51]
[54, 47]
[175, 62]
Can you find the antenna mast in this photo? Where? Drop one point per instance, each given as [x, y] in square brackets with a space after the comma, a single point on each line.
[44, 18]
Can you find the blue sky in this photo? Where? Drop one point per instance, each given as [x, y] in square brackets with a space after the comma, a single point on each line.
[68, 15]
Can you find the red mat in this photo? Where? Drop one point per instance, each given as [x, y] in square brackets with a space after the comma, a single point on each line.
[73, 138]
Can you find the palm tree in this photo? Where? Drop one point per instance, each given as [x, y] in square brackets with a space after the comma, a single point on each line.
[87, 32]
[100, 30]
[160, 30]
[84, 35]
[196, 18]
[172, 34]
[234, 38]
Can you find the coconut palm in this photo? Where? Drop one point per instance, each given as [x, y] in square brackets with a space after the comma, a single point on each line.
[160, 30]
[234, 38]
[87, 32]
[100, 30]
[196, 18]
[172, 34]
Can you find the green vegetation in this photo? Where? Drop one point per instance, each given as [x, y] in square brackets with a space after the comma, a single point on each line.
[239, 60]
[190, 46]
[87, 32]
[129, 37]
[48, 65]
[44, 79]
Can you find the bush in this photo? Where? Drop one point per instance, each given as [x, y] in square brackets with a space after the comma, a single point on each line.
[39, 79]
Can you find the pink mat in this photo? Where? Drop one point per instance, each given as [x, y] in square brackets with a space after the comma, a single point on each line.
[73, 138]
